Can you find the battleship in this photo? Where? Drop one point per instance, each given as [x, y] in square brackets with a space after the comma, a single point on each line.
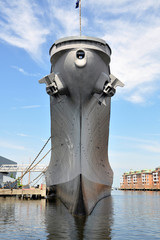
[80, 86]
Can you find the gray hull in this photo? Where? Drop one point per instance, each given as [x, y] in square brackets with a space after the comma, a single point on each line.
[80, 88]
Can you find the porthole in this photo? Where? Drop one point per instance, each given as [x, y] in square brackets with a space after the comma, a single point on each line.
[80, 54]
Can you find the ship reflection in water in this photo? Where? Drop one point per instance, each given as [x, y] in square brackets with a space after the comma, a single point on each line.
[62, 225]
[123, 216]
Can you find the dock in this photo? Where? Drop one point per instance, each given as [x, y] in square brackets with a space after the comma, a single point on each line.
[31, 193]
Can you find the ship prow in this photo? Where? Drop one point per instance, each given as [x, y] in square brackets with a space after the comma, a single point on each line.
[80, 195]
[80, 87]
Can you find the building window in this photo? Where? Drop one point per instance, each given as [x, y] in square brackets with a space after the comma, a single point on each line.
[134, 179]
[143, 178]
[121, 181]
[147, 180]
[128, 179]
[155, 177]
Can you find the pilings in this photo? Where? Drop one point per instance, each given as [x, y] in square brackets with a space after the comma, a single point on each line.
[140, 189]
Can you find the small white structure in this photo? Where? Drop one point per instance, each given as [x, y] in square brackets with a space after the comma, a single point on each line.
[6, 176]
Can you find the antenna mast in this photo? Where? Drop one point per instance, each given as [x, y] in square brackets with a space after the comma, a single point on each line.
[78, 5]
[80, 17]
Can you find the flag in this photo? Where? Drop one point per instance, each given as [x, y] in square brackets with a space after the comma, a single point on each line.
[77, 4]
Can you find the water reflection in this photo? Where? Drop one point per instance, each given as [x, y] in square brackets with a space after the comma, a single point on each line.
[7, 212]
[22, 219]
[62, 225]
[123, 216]
[99, 223]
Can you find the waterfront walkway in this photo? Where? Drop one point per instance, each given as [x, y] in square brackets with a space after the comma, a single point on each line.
[25, 193]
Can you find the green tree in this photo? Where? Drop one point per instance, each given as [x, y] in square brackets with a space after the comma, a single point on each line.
[11, 175]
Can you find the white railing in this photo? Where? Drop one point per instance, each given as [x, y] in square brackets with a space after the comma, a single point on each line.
[22, 168]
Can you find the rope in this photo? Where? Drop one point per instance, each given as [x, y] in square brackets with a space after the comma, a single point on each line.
[38, 180]
[36, 156]
[40, 160]
[34, 179]
[37, 177]
[29, 168]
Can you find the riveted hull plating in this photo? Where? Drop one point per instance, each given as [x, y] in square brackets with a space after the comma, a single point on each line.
[79, 171]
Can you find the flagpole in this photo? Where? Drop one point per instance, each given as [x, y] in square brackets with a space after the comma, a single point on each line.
[80, 17]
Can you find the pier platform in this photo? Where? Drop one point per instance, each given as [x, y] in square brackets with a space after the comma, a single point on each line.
[32, 193]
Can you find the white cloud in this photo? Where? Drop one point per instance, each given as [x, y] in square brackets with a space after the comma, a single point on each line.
[20, 26]
[10, 145]
[123, 6]
[30, 107]
[146, 145]
[65, 18]
[132, 28]
[155, 134]
[22, 135]
[135, 60]
[28, 24]
[154, 148]
[21, 70]
[26, 107]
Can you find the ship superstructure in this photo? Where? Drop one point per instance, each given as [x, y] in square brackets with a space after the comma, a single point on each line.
[80, 87]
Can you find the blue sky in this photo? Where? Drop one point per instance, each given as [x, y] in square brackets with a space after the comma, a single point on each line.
[28, 28]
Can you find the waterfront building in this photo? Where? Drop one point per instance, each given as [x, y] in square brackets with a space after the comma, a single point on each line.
[6, 177]
[141, 180]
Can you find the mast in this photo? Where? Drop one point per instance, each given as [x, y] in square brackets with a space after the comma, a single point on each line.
[78, 5]
[80, 17]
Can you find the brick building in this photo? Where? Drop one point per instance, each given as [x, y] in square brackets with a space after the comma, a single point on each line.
[141, 180]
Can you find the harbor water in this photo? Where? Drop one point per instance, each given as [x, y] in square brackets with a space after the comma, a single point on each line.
[126, 215]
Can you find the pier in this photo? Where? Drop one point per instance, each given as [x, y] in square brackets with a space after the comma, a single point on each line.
[32, 193]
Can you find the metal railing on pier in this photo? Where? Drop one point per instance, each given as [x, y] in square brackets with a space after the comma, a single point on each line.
[22, 168]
